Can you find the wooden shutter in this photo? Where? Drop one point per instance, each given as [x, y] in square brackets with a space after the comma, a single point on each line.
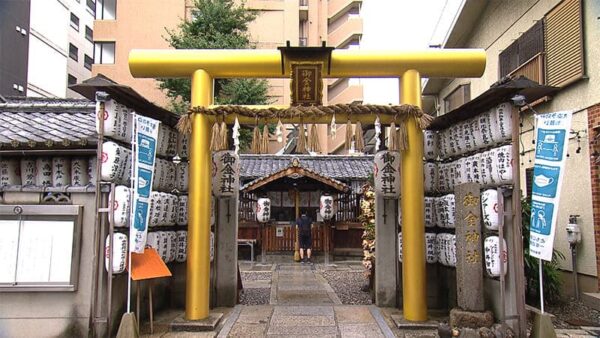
[564, 43]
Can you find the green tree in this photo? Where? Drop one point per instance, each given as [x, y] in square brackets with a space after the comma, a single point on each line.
[216, 24]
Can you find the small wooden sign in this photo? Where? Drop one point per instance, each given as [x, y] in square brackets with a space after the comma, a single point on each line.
[307, 84]
[148, 265]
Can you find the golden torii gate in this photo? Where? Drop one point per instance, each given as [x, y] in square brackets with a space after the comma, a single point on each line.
[202, 66]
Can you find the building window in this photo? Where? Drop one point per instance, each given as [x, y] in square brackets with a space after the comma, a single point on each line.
[87, 62]
[89, 34]
[71, 80]
[550, 52]
[40, 247]
[457, 98]
[91, 5]
[104, 52]
[106, 10]
[74, 22]
[73, 52]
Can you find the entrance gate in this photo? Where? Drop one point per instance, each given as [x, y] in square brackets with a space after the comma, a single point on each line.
[203, 66]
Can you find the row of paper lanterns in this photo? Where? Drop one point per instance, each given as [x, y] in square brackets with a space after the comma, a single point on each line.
[441, 211]
[116, 167]
[165, 209]
[118, 125]
[441, 248]
[263, 208]
[483, 131]
[47, 171]
[171, 246]
[489, 168]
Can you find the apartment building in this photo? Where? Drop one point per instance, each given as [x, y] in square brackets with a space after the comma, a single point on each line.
[552, 42]
[46, 45]
[122, 25]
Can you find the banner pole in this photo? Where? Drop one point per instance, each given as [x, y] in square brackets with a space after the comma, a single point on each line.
[541, 286]
[131, 210]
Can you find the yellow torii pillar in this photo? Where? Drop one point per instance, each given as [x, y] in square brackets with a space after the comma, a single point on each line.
[202, 66]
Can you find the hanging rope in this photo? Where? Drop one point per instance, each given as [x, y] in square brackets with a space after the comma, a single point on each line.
[215, 141]
[301, 146]
[359, 142]
[393, 138]
[313, 140]
[264, 143]
[224, 136]
[255, 147]
[349, 134]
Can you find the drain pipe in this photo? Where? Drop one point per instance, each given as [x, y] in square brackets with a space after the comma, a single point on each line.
[574, 237]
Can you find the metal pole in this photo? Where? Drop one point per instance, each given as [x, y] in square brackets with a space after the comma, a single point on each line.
[198, 263]
[132, 186]
[414, 279]
[500, 193]
[541, 287]
[574, 258]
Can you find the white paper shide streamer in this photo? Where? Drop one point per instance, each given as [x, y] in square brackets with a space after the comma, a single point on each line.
[377, 133]
[236, 135]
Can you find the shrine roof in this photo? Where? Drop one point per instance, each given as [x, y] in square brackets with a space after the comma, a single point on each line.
[339, 167]
[46, 123]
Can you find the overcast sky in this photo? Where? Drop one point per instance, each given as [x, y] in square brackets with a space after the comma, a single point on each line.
[401, 25]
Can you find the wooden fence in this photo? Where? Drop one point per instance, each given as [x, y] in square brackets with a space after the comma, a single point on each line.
[288, 240]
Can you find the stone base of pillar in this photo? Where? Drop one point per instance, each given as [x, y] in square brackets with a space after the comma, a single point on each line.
[207, 324]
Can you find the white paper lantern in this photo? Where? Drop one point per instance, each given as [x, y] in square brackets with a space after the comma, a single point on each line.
[162, 140]
[429, 206]
[430, 171]
[489, 209]
[164, 212]
[10, 172]
[226, 173]
[445, 211]
[172, 142]
[443, 179]
[451, 238]
[451, 173]
[61, 171]
[492, 166]
[182, 176]
[125, 174]
[111, 116]
[183, 145]
[475, 131]
[494, 127]
[156, 207]
[326, 207]
[79, 172]
[441, 216]
[493, 257]
[484, 130]
[443, 143]
[442, 248]
[460, 171]
[119, 253]
[164, 245]
[263, 210]
[28, 171]
[504, 118]
[181, 255]
[112, 162]
[174, 206]
[212, 246]
[476, 169]
[430, 248]
[505, 164]
[171, 246]
[153, 241]
[182, 210]
[452, 141]
[170, 174]
[461, 143]
[484, 168]
[387, 174]
[400, 246]
[121, 206]
[430, 146]
[43, 169]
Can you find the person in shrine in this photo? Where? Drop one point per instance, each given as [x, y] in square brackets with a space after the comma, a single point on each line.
[304, 224]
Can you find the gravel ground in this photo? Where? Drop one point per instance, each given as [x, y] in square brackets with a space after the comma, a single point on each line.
[253, 276]
[572, 310]
[347, 285]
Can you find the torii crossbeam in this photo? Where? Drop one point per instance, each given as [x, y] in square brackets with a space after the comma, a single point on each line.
[202, 66]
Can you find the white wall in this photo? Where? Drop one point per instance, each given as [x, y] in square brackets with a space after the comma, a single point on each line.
[500, 24]
[48, 48]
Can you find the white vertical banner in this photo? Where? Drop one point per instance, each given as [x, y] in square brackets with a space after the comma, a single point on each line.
[552, 138]
[146, 135]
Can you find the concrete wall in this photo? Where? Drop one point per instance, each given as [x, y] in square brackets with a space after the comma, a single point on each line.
[77, 38]
[499, 25]
[52, 314]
